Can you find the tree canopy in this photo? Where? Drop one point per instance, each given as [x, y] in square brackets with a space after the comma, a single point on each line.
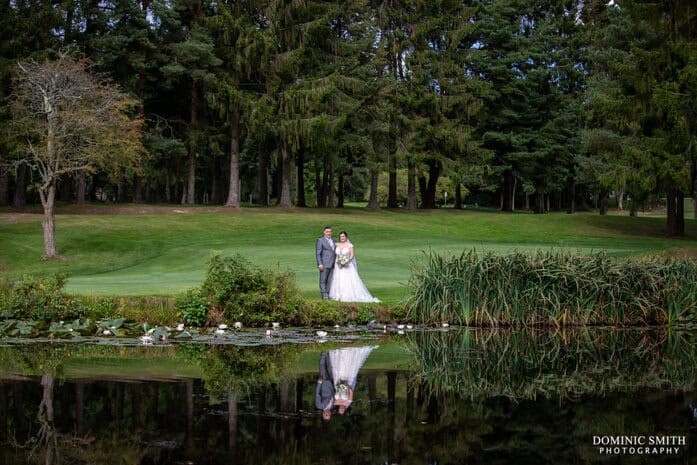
[506, 103]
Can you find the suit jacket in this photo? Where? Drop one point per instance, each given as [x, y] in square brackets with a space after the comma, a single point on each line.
[325, 253]
[324, 395]
[324, 391]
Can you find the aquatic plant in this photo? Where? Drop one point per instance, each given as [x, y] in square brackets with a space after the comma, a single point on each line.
[524, 364]
[551, 288]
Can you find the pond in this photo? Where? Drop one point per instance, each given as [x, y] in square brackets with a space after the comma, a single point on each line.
[423, 397]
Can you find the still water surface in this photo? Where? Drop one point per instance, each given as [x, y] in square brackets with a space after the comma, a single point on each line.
[461, 396]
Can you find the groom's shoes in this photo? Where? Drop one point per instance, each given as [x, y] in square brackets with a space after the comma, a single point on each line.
[325, 296]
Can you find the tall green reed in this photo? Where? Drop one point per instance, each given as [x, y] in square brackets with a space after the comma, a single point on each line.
[530, 362]
[552, 288]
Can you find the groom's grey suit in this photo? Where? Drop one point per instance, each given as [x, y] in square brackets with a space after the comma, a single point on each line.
[325, 257]
[324, 390]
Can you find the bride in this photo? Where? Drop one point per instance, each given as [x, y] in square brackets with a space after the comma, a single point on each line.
[346, 285]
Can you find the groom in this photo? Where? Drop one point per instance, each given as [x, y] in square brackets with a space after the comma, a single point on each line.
[325, 260]
[324, 390]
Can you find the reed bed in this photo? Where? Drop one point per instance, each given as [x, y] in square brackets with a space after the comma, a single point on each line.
[527, 363]
[552, 288]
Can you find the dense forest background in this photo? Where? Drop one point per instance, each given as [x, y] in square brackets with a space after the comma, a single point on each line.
[511, 104]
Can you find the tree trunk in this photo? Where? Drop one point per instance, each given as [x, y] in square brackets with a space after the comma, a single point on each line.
[4, 186]
[81, 188]
[121, 191]
[340, 192]
[458, 196]
[620, 200]
[263, 176]
[66, 189]
[301, 178]
[572, 198]
[428, 197]
[392, 183]
[506, 192]
[679, 213]
[168, 192]
[48, 197]
[671, 213]
[602, 201]
[191, 178]
[330, 190]
[284, 166]
[215, 185]
[515, 184]
[189, 416]
[233, 198]
[411, 185]
[3, 413]
[45, 417]
[373, 199]
[319, 189]
[232, 421]
[79, 408]
[323, 192]
[20, 198]
[539, 202]
[137, 189]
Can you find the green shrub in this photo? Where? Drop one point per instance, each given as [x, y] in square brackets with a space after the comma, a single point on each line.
[244, 293]
[322, 312]
[96, 308]
[193, 307]
[39, 298]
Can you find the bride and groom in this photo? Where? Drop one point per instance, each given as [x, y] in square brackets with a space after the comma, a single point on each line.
[338, 275]
[338, 372]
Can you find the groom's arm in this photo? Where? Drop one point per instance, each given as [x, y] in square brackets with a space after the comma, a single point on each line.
[318, 252]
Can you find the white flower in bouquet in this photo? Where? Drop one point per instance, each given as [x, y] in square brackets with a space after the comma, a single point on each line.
[343, 260]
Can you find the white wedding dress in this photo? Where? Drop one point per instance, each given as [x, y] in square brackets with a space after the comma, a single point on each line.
[345, 284]
[346, 363]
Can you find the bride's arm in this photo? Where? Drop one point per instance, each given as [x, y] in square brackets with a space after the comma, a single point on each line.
[350, 251]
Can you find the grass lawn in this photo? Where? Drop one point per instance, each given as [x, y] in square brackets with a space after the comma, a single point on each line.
[164, 250]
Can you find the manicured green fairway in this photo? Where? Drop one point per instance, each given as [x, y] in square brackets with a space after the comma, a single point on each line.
[165, 253]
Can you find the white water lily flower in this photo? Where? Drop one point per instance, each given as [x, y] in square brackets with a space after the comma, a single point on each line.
[150, 331]
[219, 331]
[222, 326]
[409, 326]
[445, 324]
[400, 326]
[180, 327]
[275, 325]
[237, 325]
[146, 339]
[106, 332]
[321, 333]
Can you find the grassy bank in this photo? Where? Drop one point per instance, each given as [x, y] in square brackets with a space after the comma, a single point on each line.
[165, 251]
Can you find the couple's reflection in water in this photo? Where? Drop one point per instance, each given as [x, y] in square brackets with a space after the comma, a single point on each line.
[336, 382]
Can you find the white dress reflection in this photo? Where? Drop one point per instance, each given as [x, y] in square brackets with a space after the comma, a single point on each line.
[345, 365]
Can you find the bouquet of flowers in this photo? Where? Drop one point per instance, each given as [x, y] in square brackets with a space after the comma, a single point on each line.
[343, 260]
[342, 390]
